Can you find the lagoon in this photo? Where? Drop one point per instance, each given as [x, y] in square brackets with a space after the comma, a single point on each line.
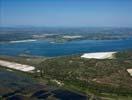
[50, 49]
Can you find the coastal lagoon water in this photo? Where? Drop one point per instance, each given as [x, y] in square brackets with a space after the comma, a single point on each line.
[45, 48]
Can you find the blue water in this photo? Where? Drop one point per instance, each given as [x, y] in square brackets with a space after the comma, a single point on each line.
[44, 48]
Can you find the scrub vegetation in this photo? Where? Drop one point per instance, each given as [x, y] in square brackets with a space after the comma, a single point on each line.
[99, 77]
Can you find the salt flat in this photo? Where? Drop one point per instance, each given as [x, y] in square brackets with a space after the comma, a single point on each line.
[19, 41]
[129, 71]
[17, 66]
[98, 55]
[72, 37]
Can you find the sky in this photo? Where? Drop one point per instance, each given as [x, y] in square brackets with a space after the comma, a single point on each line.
[66, 13]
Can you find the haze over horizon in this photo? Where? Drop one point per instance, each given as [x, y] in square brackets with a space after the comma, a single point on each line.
[66, 13]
